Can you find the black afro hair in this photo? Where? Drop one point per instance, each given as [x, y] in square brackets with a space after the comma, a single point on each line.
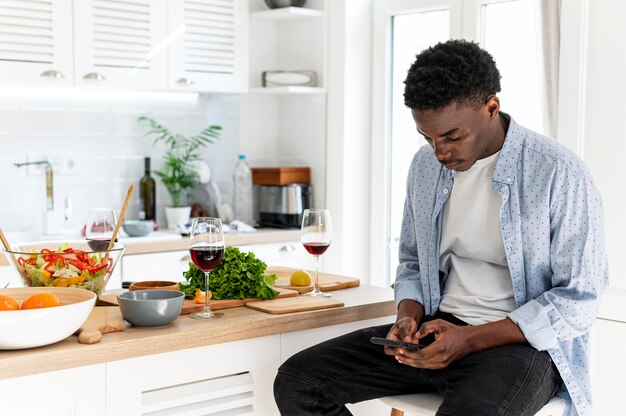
[453, 71]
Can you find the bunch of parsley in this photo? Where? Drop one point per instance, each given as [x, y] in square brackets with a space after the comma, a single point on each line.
[240, 275]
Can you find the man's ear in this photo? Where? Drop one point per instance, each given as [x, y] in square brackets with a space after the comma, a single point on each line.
[492, 106]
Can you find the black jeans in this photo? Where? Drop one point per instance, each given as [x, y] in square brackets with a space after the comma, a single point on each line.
[514, 380]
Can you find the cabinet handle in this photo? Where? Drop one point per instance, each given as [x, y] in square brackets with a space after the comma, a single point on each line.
[52, 73]
[287, 248]
[185, 258]
[94, 76]
[184, 81]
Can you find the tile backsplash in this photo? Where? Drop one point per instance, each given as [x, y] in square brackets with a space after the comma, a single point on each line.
[97, 149]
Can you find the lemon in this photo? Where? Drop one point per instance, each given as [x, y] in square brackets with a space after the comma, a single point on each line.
[300, 278]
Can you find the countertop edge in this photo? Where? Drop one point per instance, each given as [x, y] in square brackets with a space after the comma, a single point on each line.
[362, 303]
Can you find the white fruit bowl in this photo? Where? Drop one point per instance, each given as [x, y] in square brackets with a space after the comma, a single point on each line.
[37, 327]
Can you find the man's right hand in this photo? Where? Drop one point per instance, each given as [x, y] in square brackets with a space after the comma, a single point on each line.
[410, 314]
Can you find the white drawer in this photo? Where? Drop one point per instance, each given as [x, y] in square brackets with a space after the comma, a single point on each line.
[168, 265]
[287, 254]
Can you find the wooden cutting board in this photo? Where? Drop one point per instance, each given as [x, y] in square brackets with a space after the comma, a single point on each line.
[189, 306]
[297, 304]
[101, 320]
[327, 282]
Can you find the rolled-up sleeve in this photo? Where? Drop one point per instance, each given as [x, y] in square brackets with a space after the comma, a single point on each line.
[578, 264]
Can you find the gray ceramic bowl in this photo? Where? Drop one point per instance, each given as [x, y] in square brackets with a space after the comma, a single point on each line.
[138, 228]
[151, 307]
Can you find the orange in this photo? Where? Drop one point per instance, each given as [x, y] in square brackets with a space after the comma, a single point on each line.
[200, 296]
[7, 303]
[40, 300]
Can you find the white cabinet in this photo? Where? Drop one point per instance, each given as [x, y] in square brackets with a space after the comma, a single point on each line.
[73, 392]
[608, 366]
[120, 44]
[209, 45]
[168, 265]
[233, 378]
[36, 42]
[288, 39]
[180, 45]
[287, 254]
[10, 276]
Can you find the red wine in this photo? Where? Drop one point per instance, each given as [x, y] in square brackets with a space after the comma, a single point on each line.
[99, 244]
[206, 258]
[317, 249]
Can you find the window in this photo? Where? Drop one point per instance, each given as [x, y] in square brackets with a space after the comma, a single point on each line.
[505, 28]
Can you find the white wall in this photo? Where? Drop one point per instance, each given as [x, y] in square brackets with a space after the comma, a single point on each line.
[99, 133]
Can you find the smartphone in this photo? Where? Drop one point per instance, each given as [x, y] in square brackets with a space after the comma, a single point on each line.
[409, 346]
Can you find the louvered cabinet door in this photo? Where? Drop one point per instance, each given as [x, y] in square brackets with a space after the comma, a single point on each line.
[120, 44]
[36, 41]
[209, 48]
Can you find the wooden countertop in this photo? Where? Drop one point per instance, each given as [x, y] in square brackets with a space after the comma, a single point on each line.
[141, 245]
[363, 302]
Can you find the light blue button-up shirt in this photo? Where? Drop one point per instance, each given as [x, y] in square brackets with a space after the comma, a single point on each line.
[552, 229]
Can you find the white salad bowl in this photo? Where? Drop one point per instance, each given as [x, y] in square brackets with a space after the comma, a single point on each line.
[37, 327]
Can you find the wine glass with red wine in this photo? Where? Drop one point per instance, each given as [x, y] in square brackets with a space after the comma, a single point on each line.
[206, 247]
[100, 226]
[316, 236]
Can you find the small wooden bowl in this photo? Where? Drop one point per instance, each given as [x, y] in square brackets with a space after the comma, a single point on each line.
[154, 284]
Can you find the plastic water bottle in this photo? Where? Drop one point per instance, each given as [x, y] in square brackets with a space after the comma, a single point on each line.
[242, 191]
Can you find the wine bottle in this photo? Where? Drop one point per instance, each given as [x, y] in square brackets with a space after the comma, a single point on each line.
[147, 194]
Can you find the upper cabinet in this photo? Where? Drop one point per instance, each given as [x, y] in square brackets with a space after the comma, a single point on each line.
[209, 45]
[179, 45]
[120, 43]
[35, 42]
[289, 43]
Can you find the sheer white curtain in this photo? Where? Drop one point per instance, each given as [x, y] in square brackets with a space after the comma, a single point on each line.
[550, 40]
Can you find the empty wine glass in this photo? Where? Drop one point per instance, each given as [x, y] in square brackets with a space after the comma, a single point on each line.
[316, 236]
[206, 247]
[99, 229]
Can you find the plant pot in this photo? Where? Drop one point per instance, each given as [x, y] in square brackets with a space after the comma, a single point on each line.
[177, 215]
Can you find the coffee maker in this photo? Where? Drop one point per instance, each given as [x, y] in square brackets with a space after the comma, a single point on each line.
[282, 195]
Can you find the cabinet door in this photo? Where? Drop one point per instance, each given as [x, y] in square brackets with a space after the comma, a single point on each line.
[168, 265]
[10, 276]
[287, 254]
[73, 392]
[209, 45]
[234, 378]
[36, 42]
[120, 44]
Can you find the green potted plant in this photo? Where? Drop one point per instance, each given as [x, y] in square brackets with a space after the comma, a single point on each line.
[179, 172]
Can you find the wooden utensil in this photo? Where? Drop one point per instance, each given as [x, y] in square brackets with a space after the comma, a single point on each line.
[5, 243]
[101, 320]
[131, 188]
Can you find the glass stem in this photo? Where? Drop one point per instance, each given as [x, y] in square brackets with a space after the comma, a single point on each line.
[207, 306]
[316, 285]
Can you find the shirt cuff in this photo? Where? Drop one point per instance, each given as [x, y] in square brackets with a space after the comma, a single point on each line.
[407, 290]
[535, 324]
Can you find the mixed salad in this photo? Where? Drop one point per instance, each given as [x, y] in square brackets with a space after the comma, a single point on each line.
[65, 267]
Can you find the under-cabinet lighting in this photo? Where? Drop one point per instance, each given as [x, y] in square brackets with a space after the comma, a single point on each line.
[11, 91]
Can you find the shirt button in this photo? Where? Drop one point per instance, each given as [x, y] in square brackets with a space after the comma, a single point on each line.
[509, 179]
[445, 191]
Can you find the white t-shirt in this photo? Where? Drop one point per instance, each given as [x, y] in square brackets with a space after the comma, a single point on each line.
[478, 286]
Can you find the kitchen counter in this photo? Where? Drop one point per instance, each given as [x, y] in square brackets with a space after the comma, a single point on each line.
[160, 241]
[242, 323]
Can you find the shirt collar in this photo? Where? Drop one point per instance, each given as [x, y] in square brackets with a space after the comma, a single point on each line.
[510, 153]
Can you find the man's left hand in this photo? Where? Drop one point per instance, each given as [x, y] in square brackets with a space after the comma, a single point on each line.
[449, 346]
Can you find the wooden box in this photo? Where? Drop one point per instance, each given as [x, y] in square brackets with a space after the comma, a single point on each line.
[281, 176]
